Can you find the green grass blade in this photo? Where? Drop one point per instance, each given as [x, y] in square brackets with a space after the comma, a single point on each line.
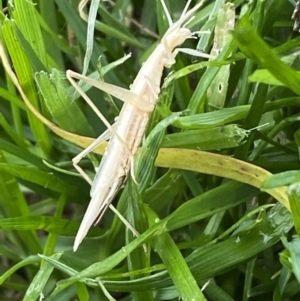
[40, 280]
[255, 48]
[14, 204]
[60, 105]
[24, 74]
[174, 262]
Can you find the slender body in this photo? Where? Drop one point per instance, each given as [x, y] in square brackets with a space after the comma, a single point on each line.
[129, 129]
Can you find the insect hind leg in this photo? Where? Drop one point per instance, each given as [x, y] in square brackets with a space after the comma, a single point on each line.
[70, 74]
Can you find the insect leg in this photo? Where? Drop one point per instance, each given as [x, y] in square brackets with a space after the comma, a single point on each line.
[105, 136]
[169, 60]
[124, 95]
[192, 52]
[124, 220]
[126, 223]
[92, 105]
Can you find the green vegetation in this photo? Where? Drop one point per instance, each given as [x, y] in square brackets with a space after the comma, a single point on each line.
[215, 223]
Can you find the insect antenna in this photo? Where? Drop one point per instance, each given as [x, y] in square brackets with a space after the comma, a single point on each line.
[185, 9]
[170, 21]
[182, 16]
[187, 15]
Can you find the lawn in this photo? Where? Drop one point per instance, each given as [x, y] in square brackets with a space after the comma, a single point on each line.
[213, 189]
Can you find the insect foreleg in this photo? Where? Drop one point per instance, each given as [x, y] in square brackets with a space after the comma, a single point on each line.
[105, 136]
[169, 59]
[191, 52]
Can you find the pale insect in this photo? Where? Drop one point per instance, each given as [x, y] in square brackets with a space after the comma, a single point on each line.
[127, 132]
